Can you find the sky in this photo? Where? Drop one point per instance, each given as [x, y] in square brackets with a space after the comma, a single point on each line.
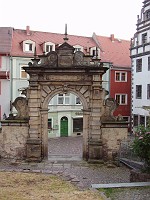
[83, 17]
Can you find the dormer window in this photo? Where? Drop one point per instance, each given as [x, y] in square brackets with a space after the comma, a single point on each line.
[95, 52]
[78, 48]
[48, 47]
[28, 46]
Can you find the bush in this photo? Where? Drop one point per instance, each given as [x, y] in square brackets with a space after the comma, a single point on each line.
[141, 146]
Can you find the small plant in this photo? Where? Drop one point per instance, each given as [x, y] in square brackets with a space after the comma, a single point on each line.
[141, 146]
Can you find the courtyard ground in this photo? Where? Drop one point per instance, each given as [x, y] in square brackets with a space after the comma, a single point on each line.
[65, 161]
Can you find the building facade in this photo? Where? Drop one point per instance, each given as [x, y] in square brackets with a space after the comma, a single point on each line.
[140, 56]
[5, 66]
[116, 53]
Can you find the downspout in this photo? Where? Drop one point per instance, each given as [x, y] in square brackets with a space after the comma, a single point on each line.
[11, 83]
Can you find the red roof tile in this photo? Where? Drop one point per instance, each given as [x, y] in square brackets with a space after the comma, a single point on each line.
[115, 51]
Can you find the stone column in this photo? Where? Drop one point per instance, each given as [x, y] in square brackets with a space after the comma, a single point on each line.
[86, 115]
[34, 140]
[96, 103]
[44, 132]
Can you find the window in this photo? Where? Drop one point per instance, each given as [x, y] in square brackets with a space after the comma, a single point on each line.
[93, 52]
[121, 99]
[149, 63]
[28, 47]
[23, 74]
[121, 76]
[147, 15]
[138, 91]
[49, 48]
[77, 124]
[135, 120]
[63, 99]
[77, 49]
[50, 123]
[78, 100]
[139, 65]
[148, 91]
[144, 38]
[142, 120]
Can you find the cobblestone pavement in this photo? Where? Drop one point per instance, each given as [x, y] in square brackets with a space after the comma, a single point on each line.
[65, 160]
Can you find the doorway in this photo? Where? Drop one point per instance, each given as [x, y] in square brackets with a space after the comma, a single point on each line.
[64, 127]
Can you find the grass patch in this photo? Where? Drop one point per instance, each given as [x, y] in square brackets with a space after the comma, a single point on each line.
[31, 186]
[114, 192]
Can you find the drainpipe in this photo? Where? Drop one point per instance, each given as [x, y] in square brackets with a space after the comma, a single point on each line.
[11, 83]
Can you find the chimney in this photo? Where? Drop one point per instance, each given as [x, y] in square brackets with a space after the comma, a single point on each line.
[112, 37]
[28, 30]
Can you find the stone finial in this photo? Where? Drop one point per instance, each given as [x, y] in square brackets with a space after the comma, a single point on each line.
[110, 107]
[21, 106]
[65, 38]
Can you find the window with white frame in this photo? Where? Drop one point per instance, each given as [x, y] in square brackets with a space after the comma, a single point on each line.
[64, 99]
[78, 100]
[121, 76]
[48, 47]
[78, 48]
[23, 74]
[144, 38]
[147, 14]
[28, 46]
[148, 91]
[139, 65]
[138, 91]
[121, 99]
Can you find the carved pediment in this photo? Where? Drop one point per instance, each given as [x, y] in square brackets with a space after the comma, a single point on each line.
[66, 46]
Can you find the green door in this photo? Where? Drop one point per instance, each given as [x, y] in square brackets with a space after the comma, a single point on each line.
[64, 127]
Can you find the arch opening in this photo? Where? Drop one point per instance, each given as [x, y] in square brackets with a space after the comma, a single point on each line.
[65, 126]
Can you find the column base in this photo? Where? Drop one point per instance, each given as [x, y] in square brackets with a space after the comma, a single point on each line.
[34, 153]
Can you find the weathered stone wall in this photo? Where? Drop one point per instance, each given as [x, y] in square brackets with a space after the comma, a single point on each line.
[112, 135]
[13, 137]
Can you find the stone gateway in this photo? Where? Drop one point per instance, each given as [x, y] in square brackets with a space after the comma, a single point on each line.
[63, 71]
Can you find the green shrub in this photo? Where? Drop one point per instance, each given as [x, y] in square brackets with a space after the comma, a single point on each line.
[141, 146]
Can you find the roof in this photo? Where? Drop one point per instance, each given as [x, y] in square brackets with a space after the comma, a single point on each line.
[5, 39]
[112, 50]
[115, 51]
[40, 37]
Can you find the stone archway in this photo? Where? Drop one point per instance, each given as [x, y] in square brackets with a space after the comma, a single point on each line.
[63, 71]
